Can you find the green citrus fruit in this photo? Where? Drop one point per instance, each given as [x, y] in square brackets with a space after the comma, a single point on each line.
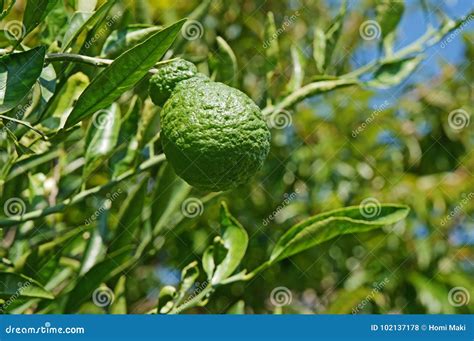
[163, 82]
[213, 135]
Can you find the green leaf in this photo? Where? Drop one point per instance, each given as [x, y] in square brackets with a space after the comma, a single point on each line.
[123, 74]
[134, 124]
[208, 261]
[333, 33]
[319, 49]
[394, 72]
[7, 10]
[168, 197]
[188, 278]
[298, 63]
[62, 102]
[47, 85]
[389, 13]
[94, 250]
[237, 309]
[86, 5]
[35, 12]
[102, 137]
[110, 267]
[165, 299]
[13, 286]
[224, 63]
[325, 226]
[42, 260]
[18, 74]
[119, 304]
[123, 39]
[76, 23]
[270, 44]
[83, 22]
[235, 240]
[129, 218]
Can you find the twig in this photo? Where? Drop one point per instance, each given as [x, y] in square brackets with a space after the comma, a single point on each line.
[26, 124]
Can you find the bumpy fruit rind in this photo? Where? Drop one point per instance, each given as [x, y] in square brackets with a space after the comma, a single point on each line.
[164, 81]
[213, 135]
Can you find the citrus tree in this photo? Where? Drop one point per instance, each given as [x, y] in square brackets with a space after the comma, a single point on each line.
[141, 174]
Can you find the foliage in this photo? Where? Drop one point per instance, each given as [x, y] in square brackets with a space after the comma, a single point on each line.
[93, 219]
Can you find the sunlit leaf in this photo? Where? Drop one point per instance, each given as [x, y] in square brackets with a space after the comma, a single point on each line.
[325, 226]
[122, 74]
[13, 285]
[35, 12]
[121, 40]
[394, 72]
[18, 73]
[102, 137]
[235, 240]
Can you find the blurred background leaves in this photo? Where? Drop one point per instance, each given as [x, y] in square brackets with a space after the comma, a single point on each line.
[399, 144]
